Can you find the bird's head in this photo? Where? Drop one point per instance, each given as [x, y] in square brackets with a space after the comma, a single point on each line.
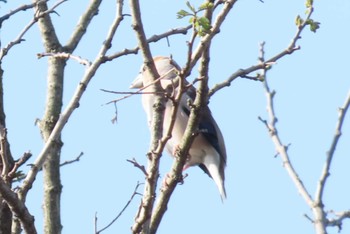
[167, 69]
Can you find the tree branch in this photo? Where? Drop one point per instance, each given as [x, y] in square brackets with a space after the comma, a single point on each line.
[338, 221]
[281, 149]
[142, 218]
[18, 208]
[35, 19]
[227, 6]
[72, 105]
[122, 211]
[65, 56]
[15, 11]
[291, 48]
[73, 160]
[154, 38]
[82, 25]
[199, 103]
[330, 153]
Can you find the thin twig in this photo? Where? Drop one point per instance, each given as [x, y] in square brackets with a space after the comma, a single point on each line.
[121, 212]
[154, 38]
[139, 166]
[35, 19]
[15, 11]
[25, 157]
[291, 48]
[73, 160]
[129, 94]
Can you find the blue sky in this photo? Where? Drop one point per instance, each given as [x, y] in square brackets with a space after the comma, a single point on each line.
[311, 84]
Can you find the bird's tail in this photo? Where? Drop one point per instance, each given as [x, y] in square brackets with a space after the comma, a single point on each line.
[214, 172]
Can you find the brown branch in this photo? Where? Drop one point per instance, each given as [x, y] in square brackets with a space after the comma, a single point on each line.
[139, 166]
[25, 157]
[18, 208]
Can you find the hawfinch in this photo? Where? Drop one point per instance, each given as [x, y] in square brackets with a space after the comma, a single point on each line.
[208, 148]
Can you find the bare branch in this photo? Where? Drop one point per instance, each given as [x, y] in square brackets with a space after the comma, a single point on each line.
[320, 220]
[129, 94]
[25, 157]
[154, 38]
[139, 166]
[330, 153]
[82, 25]
[72, 105]
[73, 160]
[122, 211]
[3, 151]
[281, 149]
[291, 48]
[338, 221]
[142, 218]
[15, 11]
[18, 208]
[200, 102]
[64, 55]
[19, 38]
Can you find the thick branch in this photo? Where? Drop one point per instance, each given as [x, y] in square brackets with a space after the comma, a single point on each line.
[142, 218]
[18, 208]
[83, 23]
[199, 103]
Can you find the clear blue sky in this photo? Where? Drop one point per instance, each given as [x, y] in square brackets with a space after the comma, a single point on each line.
[311, 85]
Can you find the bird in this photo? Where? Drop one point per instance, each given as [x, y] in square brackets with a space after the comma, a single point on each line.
[208, 149]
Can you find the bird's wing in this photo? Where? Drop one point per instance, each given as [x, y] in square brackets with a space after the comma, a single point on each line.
[209, 129]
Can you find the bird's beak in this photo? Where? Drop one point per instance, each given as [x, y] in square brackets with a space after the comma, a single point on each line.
[137, 83]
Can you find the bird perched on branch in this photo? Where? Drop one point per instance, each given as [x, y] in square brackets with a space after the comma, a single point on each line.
[208, 148]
